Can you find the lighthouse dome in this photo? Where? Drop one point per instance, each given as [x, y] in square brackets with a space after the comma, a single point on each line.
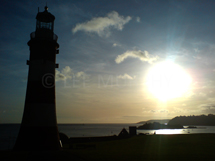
[45, 20]
[45, 16]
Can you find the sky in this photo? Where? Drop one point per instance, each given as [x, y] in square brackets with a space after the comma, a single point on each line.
[107, 48]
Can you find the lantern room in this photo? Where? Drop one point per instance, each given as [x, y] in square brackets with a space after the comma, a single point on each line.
[45, 20]
[44, 26]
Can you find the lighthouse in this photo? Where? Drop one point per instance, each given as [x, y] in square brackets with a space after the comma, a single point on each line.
[38, 130]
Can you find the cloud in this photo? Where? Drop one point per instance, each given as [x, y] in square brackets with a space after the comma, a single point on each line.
[115, 44]
[81, 75]
[102, 25]
[138, 19]
[197, 57]
[163, 111]
[59, 76]
[142, 55]
[207, 106]
[68, 73]
[153, 111]
[125, 76]
[197, 50]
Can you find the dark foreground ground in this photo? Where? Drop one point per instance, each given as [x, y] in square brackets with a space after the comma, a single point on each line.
[190, 147]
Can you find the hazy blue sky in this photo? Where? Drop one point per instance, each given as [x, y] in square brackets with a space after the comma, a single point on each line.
[106, 49]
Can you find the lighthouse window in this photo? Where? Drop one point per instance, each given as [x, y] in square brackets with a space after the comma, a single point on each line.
[46, 25]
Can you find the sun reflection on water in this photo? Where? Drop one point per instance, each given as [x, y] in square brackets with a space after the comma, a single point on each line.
[169, 131]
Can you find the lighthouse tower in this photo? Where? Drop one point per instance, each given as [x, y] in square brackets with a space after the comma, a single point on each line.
[38, 129]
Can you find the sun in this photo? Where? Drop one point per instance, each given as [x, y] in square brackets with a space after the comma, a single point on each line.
[167, 80]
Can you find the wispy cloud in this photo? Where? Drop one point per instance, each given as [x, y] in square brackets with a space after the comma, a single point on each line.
[125, 76]
[197, 57]
[138, 19]
[197, 50]
[102, 25]
[207, 106]
[115, 44]
[142, 55]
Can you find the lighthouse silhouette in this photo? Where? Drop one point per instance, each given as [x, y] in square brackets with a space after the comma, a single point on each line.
[38, 130]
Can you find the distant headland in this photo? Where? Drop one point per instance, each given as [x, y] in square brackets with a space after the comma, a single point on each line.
[201, 120]
[178, 122]
[161, 121]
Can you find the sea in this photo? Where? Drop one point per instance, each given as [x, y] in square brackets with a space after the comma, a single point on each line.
[9, 132]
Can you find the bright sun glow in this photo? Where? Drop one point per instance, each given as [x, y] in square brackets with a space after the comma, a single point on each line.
[167, 80]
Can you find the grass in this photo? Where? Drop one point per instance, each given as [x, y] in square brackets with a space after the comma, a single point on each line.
[153, 147]
[146, 147]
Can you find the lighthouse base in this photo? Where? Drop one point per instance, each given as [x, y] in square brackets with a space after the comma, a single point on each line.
[36, 138]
